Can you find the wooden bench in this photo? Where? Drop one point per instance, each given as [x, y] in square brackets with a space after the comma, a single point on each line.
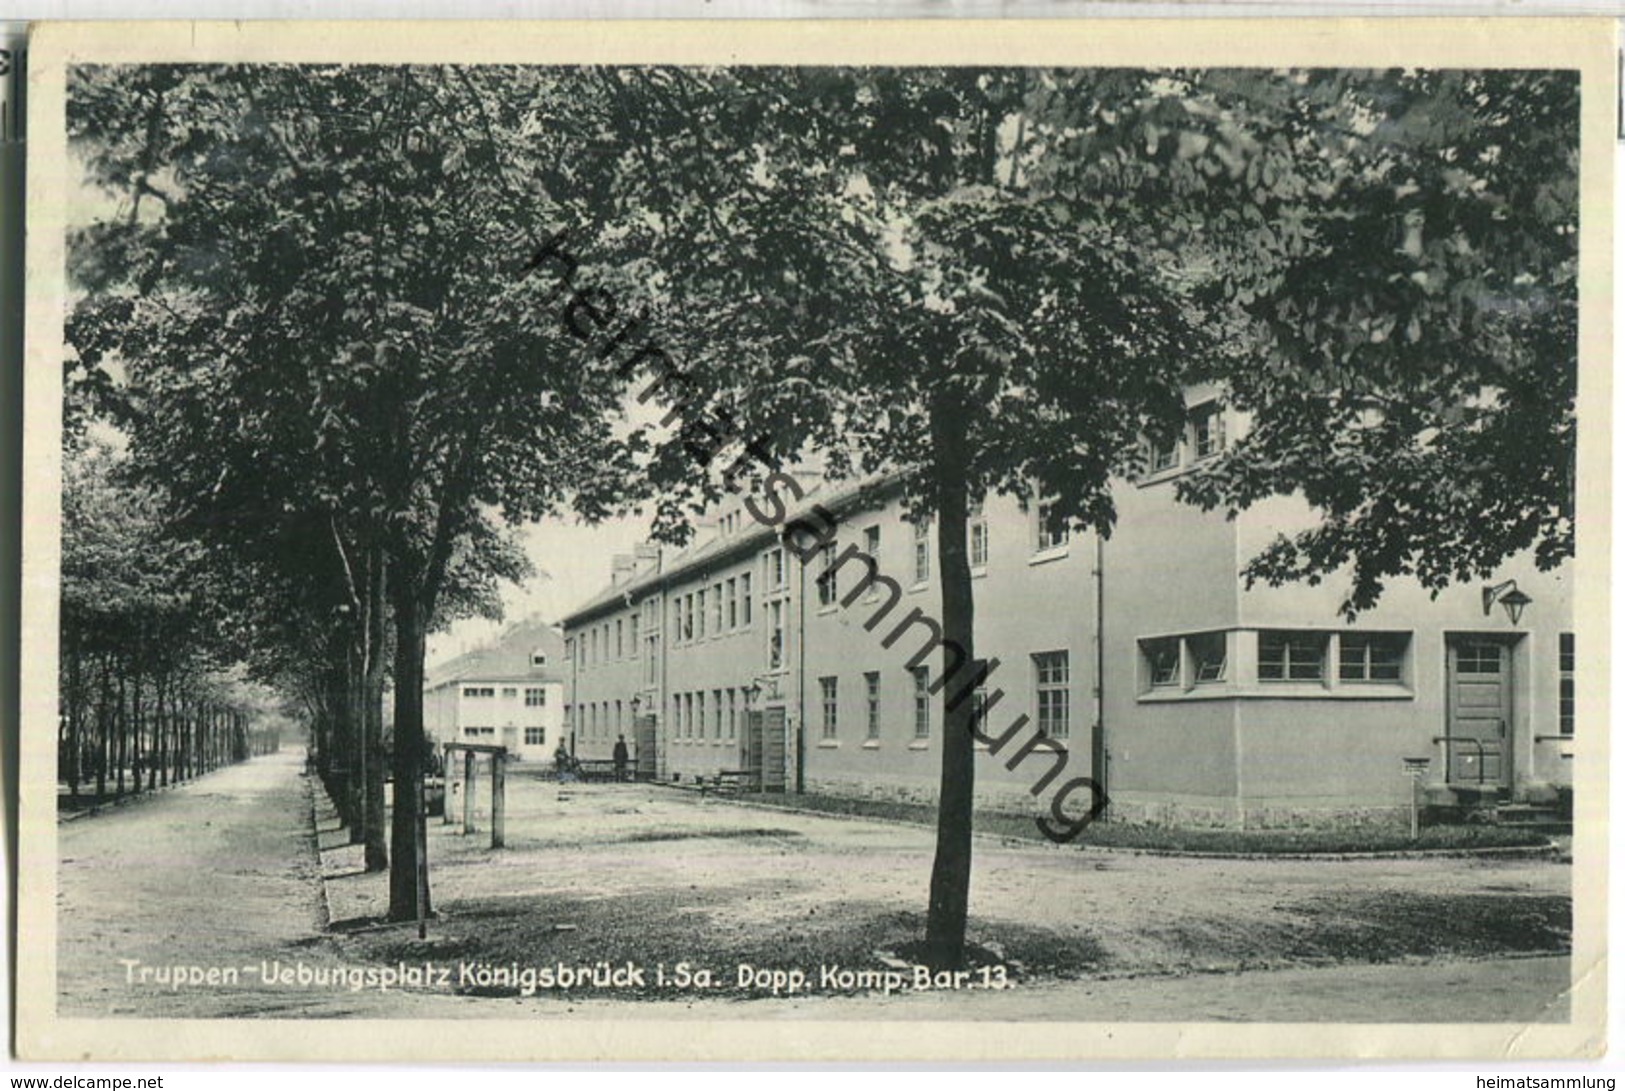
[595, 769]
[730, 782]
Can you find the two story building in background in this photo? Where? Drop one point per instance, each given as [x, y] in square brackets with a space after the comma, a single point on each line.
[1141, 662]
[510, 693]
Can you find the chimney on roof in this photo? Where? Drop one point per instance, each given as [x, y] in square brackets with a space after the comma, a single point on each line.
[645, 558]
[622, 567]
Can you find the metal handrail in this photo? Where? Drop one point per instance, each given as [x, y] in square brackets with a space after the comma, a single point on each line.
[1447, 739]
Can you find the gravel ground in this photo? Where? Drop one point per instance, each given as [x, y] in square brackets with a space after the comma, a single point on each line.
[226, 872]
[658, 877]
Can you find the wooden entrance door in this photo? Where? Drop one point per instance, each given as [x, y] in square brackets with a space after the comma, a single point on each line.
[1479, 696]
[644, 734]
[765, 748]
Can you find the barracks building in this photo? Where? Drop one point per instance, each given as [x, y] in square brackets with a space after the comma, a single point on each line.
[1142, 663]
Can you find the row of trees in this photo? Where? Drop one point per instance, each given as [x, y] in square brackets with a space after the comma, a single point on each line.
[146, 699]
[335, 356]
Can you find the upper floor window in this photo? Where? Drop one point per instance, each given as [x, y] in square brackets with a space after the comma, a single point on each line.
[479, 691]
[1164, 456]
[978, 542]
[1207, 429]
[1053, 531]
[775, 569]
[922, 551]
[826, 575]
[535, 697]
[775, 634]
[538, 658]
[744, 600]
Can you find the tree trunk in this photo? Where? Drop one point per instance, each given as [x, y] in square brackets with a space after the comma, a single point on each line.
[410, 633]
[160, 730]
[950, 871]
[101, 733]
[372, 718]
[76, 714]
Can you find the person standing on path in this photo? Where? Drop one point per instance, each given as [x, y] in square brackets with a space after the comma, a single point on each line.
[620, 756]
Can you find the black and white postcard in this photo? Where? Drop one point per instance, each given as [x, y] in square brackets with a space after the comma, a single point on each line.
[690, 540]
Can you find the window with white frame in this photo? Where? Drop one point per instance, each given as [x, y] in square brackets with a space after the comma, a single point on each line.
[1053, 675]
[1208, 657]
[733, 713]
[632, 636]
[535, 736]
[1164, 456]
[620, 639]
[733, 603]
[922, 551]
[922, 701]
[978, 542]
[1053, 531]
[871, 547]
[775, 569]
[716, 609]
[716, 714]
[1371, 657]
[699, 614]
[744, 600]
[1565, 684]
[1285, 656]
[1207, 429]
[828, 695]
[871, 697]
[510, 691]
[479, 691]
[775, 634]
[535, 697]
[826, 575]
[1161, 659]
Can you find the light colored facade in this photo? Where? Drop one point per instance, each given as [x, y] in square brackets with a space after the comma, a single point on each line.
[509, 694]
[1142, 662]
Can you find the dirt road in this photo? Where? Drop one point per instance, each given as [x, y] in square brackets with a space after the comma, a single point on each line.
[217, 874]
[223, 875]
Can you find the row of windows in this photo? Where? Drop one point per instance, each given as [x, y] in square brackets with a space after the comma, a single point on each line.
[1328, 658]
[695, 719]
[612, 640]
[724, 607]
[1052, 697]
[535, 696]
[534, 736]
[596, 720]
[1200, 659]
[727, 606]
